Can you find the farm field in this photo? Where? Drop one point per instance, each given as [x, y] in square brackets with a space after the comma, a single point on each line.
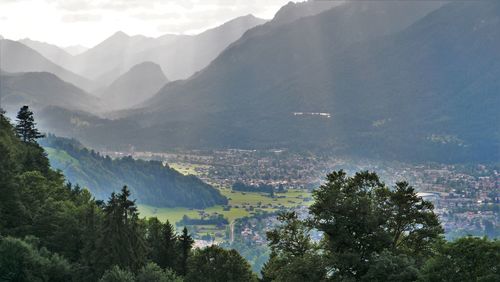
[241, 204]
[187, 169]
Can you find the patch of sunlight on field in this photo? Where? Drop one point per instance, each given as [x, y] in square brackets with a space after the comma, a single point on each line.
[171, 214]
[240, 203]
[187, 169]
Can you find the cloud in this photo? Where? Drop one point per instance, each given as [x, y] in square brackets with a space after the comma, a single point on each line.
[69, 22]
[148, 16]
[74, 18]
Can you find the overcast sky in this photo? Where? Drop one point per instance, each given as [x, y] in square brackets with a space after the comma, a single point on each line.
[70, 22]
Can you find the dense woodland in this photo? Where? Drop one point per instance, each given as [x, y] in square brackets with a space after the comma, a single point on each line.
[54, 231]
[158, 185]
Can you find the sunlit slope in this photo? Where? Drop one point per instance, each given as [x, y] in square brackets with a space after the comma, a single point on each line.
[150, 182]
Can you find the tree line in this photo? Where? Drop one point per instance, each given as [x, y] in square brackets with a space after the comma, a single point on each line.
[51, 230]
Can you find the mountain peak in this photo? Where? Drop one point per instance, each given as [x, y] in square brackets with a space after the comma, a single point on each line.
[293, 11]
[138, 84]
[147, 67]
[120, 34]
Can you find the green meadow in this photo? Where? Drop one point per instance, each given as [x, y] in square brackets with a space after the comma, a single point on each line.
[241, 204]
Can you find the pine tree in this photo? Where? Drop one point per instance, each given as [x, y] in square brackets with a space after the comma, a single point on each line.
[169, 238]
[25, 127]
[186, 243]
[122, 241]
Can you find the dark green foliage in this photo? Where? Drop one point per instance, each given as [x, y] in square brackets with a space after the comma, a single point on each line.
[466, 259]
[361, 217]
[214, 264]
[162, 241]
[389, 267]
[153, 273]
[212, 220]
[116, 274]
[23, 261]
[185, 244]
[294, 257]
[25, 127]
[121, 241]
[262, 188]
[370, 232]
[308, 267]
[150, 181]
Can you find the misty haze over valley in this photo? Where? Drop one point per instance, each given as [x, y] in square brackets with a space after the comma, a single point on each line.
[249, 140]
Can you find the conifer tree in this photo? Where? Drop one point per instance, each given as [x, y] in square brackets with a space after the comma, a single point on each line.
[122, 241]
[186, 243]
[26, 126]
[169, 237]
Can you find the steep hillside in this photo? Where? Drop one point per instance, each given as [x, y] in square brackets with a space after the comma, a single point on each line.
[294, 11]
[140, 83]
[150, 181]
[17, 57]
[41, 89]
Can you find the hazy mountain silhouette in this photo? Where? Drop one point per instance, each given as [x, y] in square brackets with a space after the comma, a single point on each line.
[52, 52]
[17, 57]
[42, 89]
[140, 83]
[179, 55]
[75, 49]
[110, 54]
[294, 11]
[387, 87]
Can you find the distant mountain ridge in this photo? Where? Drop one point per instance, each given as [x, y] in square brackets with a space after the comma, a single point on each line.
[421, 89]
[41, 89]
[139, 84]
[180, 56]
[52, 52]
[17, 57]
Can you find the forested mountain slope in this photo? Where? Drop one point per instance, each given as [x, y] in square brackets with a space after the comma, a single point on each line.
[149, 181]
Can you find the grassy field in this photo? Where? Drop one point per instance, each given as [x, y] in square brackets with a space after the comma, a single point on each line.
[187, 169]
[241, 204]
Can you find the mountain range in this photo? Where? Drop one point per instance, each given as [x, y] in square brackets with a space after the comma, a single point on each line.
[17, 57]
[180, 56]
[412, 80]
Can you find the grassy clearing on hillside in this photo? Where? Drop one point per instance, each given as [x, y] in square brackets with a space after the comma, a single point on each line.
[61, 156]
